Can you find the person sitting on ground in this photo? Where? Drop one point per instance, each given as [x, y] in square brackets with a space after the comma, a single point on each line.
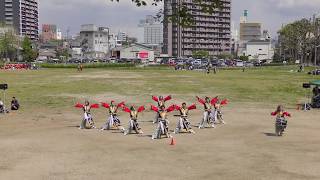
[14, 104]
[1, 107]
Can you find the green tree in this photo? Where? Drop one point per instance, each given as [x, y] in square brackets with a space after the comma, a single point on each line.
[28, 53]
[62, 54]
[244, 58]
[297, 40]
[200, 54]
[225, 56]
[9, 43]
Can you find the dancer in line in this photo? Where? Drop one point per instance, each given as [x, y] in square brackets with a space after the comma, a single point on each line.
[87, 117]
[183, 122]
[133, 122]
[160, 102]
[113, 121]
[162, 121]
[217, 113]
[208, 116]
[281, 121]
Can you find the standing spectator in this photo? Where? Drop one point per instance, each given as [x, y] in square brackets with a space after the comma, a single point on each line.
[14, 104]
[300, 68]
[208, 68]
[78, 67]
[81, 67]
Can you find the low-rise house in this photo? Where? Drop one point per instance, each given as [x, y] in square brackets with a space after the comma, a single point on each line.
[259, 50]
[137, 51]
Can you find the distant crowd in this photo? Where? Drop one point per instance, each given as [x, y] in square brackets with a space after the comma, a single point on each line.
[18, 66]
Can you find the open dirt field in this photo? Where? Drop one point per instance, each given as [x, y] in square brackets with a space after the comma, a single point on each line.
[36, 145]
[43, 142]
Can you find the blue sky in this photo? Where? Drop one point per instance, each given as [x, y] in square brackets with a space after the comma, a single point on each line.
[125, 16]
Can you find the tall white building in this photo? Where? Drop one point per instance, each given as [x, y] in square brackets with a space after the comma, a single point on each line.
[23, 15]
[122, 36]
[210, 32]
[153, 31]
[59, 34]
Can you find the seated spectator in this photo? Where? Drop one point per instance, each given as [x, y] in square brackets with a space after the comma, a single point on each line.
[14, 104]
[1, 107]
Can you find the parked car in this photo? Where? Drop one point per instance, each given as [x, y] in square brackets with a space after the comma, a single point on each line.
[257, 63]
[239, 63]
[214, 62]
[180, 62]
[229, 63]
[249, 64]
[196, 63]
[315, 72]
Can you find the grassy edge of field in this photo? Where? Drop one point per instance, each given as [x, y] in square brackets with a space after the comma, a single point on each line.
[59, 87]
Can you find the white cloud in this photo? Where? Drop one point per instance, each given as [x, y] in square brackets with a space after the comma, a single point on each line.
[295, 3]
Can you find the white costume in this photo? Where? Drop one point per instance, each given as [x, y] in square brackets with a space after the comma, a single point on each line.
[162, 127]
[87, 118]
[183, 122]
[112, 120]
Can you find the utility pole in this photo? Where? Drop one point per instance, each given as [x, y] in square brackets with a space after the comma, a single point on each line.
[315, 55]
[316, 36]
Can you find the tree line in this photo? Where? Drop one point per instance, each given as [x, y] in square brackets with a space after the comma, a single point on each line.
[14, 47]
[299, 40]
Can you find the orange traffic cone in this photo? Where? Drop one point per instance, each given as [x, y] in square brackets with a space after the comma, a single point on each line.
[173, 142]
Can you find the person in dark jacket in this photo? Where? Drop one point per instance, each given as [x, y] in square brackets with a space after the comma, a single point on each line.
[14, 104]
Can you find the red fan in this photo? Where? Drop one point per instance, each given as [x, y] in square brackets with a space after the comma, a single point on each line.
[177, 107]
[171, 108]
[193, 106]
[126, 109]
[287, 114]
[141, 108]
[167, 98]
[201, 100]
[154, 108]
[224, 102]
[273, 113]
[78, 105]
[94, 106]
[155, 98]
[120, 104]
[214, 101]
[106, 105]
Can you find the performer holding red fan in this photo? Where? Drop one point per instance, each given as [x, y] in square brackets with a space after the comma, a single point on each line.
[112, 120]
[160, 102]
[162, 120]
[208, 117]
[87, 117]
[281, 122]
[133, 122]
[217, 113]
[183, 122]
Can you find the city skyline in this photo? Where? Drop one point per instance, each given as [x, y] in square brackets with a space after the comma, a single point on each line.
[102, 12]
